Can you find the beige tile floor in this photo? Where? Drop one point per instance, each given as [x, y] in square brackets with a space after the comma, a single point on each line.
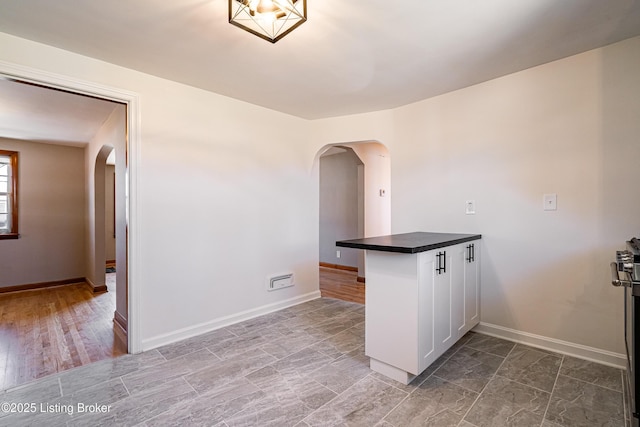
[305, 366]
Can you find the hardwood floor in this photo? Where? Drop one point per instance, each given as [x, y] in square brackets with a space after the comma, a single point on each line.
[50, 330]
[341, 284]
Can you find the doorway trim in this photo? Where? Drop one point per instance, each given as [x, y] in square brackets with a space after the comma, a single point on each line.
[132, 144]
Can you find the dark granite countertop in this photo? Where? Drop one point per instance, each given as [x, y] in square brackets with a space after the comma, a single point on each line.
[409, 243]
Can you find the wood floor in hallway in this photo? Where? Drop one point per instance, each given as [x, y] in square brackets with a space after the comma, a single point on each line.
[50, 330]
[341, 284]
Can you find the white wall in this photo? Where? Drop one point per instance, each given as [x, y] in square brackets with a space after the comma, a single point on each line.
[569, 127]
[236, 208]
[377, 176]
[51, 215]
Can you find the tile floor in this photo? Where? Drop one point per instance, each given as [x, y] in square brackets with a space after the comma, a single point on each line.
[305, 366]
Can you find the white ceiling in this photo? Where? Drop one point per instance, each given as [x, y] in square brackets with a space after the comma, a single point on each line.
[349, 57]
[38, 114]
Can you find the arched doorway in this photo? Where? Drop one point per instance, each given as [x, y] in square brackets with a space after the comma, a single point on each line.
[354, 202]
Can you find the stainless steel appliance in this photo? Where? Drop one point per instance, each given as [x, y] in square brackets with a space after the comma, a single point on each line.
[625, 272]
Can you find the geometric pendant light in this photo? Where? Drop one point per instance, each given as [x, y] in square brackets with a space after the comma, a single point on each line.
[268, 19]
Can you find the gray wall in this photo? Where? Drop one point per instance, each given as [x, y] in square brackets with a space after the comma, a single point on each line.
[339, 206]
[51, 215]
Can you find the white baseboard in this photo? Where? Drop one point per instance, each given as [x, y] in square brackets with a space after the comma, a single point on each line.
[221, 322]
[593, 354]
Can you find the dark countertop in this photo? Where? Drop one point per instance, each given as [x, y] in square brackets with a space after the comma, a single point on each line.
[409, 243]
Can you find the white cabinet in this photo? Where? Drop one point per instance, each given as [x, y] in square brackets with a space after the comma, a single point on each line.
[418, 305]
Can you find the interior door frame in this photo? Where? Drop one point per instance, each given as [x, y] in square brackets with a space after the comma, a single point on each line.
[131, 100]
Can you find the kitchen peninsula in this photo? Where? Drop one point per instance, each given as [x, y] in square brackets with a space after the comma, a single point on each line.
[422, 295]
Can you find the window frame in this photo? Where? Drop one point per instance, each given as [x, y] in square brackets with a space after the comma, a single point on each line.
[13, 195]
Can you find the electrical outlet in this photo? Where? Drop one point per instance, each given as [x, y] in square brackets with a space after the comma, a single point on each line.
[337, 254]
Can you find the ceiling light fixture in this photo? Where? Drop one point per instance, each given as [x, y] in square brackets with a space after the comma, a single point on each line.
[268, 19]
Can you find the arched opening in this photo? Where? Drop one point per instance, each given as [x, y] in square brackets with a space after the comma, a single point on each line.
[99, 259]
[354, 202]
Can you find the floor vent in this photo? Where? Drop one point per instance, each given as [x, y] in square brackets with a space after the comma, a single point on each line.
[279, 282]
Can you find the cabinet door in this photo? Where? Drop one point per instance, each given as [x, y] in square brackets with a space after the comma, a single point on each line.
[442, 295]
[426, 305]
[472, 284]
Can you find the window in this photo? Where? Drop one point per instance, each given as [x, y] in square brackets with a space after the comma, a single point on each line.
[8, 194]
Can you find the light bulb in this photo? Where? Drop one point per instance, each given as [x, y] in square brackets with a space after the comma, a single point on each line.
[266, 6]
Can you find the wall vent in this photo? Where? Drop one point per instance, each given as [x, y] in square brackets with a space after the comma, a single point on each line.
[280, 281]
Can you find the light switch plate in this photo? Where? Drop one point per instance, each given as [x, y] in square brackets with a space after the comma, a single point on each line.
[550, 202]
[470, 207]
